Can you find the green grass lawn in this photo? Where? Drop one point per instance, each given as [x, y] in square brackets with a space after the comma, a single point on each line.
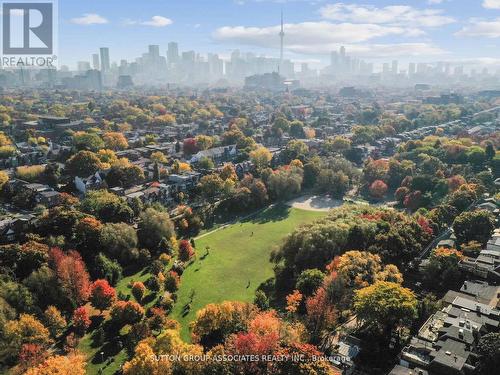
[238, 261]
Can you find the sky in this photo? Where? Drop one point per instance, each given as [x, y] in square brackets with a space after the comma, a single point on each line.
[461, 31]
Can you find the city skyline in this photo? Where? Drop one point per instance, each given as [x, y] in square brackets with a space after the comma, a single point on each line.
[466, 32]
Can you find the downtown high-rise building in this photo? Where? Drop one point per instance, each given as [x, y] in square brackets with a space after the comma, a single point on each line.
[105, 62]
[95, 61]
[173, 53]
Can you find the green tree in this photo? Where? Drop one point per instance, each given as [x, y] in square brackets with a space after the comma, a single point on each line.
[153, 227]
[474, 226]
[82, 164]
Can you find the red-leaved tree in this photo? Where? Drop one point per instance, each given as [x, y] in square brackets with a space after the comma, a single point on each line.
[72, 275]
[102, 295]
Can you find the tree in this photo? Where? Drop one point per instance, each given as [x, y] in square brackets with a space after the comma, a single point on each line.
[490, 150]
[215, 322]
[295, 150]
[309, 281]
[489, 350]
[474, 226]
[88, 141]
[115, 141]
[309, 363]
[153, 227]
[26, 330]
[495, 165]
[81, 320]
[73, 364]
[204, 142]
[107, 207]
[4, 178]
[127, 312]
[338, 144]
[442, 272]
[124, 174]
[211, 186]
[158, 157]
[334, 183]
[285, 182]
[87, 231]
[358, 269]
[293, 301]
[384, 305]
[189, 146]
[71, 274]
[102, 295]
[260, 158]
[261, 300]
[106, 268]
[378, 189]
[206, 163]
[476, 155]
[82, 164]
[186, 251]
[138, 290]
[54, 321]
[118, 241]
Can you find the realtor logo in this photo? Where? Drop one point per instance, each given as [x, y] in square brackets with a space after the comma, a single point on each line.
[28, 28]
[29, 33]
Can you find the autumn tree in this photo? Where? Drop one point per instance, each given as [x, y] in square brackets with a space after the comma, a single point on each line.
[384, 305]
[126, 312]
[72, 364]
[81, 320]
[71, 274]
[186, 251]
[102, 295]
[54, 321]
[378, 189]
[215, 322]
[115, 141]
[260, 158]
[25, 330]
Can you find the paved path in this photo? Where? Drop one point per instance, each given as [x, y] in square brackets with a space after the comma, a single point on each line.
[315, 203]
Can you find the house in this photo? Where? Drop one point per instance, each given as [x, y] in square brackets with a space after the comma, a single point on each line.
[48, 198]
[217, 154]
[185, 181]
[93, 182]
[446, 342]
[243, 168]
[12, 228]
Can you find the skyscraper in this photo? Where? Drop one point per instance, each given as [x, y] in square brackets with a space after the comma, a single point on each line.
[395, 69]
[154, 51]
[95, 61]
[173, 53]
[105, 64]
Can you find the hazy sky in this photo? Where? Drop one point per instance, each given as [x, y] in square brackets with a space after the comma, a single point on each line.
[417, 30]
